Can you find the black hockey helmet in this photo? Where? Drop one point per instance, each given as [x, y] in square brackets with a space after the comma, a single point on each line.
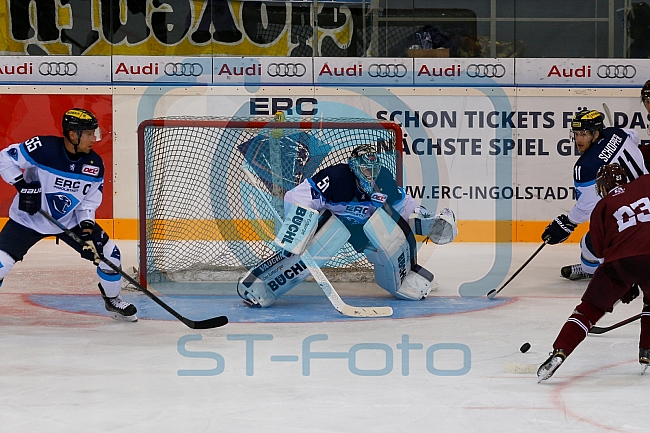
[645, 91]
[587, 120]
[609, 176]
[78, 119]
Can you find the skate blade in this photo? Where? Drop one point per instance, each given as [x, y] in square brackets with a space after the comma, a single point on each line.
[119, 317]
[644, 368]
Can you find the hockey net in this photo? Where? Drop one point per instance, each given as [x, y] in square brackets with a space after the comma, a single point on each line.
[201, 220]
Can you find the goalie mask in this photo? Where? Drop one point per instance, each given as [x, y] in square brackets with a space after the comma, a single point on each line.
[609, 177]
[365, 165]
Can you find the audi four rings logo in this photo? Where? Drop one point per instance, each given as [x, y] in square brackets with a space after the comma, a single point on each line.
[58, 68]
[616, 71]
[183, 69]
[387, 70]
[486, 71]
[286, 70]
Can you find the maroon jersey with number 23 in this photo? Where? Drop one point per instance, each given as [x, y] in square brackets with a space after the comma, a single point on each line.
[620, 222]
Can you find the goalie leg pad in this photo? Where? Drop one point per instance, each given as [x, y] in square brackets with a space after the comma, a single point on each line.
[392, 261]
[274, 277]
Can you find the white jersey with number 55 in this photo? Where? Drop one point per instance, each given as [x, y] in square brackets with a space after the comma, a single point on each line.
[72, 189]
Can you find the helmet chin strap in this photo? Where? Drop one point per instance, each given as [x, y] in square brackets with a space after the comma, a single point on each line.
[75, 145]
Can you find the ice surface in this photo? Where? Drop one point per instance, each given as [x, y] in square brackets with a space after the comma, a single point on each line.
[70, 368]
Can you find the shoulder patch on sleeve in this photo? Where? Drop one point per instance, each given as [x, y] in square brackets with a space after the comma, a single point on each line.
[13, 153]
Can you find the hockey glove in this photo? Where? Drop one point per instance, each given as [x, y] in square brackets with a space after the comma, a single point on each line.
[29, 195]
[631, 294]
[558, 230]
[95, 241]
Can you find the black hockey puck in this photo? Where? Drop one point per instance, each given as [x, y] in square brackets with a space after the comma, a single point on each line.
[524, 347]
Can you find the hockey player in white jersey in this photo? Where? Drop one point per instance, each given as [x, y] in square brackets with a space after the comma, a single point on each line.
[598, 146]
[361, 203]
[63, 177]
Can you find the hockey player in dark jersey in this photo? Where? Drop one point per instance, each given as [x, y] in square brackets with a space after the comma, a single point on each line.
[350, 194]
[598, 146]
[64, 177]
[620, 234]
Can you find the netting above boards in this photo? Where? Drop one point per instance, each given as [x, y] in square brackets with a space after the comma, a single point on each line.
[202, 220]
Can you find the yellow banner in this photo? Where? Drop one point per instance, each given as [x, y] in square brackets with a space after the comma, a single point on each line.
[177, 27]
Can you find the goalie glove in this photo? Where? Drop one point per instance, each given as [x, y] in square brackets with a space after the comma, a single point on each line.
[297, 229]
[441, 229]
[558, 230]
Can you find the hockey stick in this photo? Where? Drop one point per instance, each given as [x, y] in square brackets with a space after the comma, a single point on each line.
[609, 114]
[215, 322]
[492, 293]
[598, 330]
[320, 277]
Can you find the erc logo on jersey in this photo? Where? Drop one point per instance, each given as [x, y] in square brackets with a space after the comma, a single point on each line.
[13, 153]
[90, 170]
[60, 204]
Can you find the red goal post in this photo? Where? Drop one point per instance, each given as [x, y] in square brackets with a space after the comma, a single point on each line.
[199, 220]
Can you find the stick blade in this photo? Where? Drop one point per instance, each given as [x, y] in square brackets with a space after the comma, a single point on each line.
[350, 311]
[491, 294]
[215, 322]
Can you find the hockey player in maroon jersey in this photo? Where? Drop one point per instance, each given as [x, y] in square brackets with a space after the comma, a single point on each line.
[620, 233]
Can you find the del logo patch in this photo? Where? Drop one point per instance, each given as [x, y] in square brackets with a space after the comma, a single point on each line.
[378, 197]
[90, 170]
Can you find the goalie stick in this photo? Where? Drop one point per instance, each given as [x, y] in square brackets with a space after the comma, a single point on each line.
[598, 330]
[320, 277]
[215, 322]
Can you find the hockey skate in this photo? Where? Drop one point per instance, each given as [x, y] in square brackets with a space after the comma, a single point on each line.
[549, 366]
[644, 359]
[574, 272]
[118, 308]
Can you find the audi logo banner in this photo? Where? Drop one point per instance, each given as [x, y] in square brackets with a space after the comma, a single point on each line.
[65, 70]
[158, 69]
[363, 71]
[325, 71]
[582, 72]
[464, 72]
[263, 70]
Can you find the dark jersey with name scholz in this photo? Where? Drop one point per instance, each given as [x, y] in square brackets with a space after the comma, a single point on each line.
[614, 145]
[72, 189]
[620, 222]
[335, 188]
